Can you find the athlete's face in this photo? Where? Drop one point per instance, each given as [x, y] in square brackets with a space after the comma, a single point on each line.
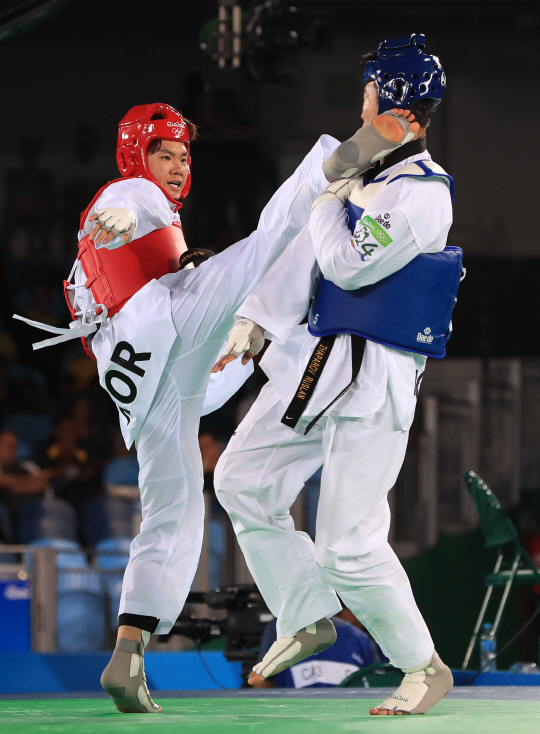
[370, 108]
[169, 166]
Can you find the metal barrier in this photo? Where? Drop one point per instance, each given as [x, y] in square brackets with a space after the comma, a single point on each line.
[74, 601]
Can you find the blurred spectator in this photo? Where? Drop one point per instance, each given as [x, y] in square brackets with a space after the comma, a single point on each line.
[31, 430]
[81, 370]
[121, 474]
[72, 472]
[18, 479]
[8, 348]
[34, 291]
[26, 388]
[6, 531]
[8, 352]
[90, 435]
[351, 651]
[23, 388]
[29, 205]
[38, 305]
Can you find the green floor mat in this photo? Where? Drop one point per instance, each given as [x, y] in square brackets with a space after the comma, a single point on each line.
[264, 716]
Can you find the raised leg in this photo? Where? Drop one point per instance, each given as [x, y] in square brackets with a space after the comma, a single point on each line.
[371, 143]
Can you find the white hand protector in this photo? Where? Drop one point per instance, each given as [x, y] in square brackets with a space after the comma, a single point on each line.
[338, 191]
[245, 336]
[117, 221]
[366, 146]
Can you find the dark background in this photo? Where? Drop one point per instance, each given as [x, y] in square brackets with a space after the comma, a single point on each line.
[86, 65]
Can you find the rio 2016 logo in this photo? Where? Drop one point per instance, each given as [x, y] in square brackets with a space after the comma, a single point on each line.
[178, 128]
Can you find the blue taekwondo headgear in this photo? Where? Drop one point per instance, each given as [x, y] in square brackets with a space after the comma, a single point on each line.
[404, 73]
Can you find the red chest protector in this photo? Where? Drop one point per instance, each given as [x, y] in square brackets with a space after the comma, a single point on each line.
[114, 276]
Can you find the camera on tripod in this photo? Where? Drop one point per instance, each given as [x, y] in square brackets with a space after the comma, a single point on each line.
[247, 616]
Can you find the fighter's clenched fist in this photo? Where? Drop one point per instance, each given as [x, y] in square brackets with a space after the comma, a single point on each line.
[246, 338]
[112, 222]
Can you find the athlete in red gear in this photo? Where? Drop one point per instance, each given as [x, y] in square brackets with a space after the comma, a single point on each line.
[156, 331]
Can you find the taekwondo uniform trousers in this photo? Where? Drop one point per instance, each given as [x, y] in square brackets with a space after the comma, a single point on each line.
[182, 320]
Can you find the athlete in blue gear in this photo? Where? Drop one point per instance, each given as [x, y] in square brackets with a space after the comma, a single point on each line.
[361, 440]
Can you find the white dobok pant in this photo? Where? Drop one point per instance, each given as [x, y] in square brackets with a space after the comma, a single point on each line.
[257, 480]
[164, 555]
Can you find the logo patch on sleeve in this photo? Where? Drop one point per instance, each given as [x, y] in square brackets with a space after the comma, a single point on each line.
[377, 231]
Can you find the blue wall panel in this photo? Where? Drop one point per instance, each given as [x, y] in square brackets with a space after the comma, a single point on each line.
[57, 673]
[14, 616]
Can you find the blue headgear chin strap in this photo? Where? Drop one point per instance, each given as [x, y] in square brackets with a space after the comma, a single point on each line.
[404, 73]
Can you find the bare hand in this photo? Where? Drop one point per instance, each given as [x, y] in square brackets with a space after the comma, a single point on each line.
[224, 361]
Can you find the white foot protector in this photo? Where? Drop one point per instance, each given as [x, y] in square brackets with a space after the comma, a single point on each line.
[420, 690]
[124, 678]
[367, 145]
[287, 651]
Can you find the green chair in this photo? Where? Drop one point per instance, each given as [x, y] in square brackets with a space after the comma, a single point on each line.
[513, 566]
[377, 675]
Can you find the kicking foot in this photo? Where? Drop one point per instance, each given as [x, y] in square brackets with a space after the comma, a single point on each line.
[371, 143]
[287, 651]
[389, 126]
[125, 681]
[419, 691]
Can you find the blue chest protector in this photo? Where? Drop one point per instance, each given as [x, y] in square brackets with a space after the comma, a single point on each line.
[409, 310]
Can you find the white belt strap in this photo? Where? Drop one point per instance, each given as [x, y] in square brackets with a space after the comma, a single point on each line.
[76, 329]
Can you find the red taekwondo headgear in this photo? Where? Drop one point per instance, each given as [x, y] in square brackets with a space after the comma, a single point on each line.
[137, 129]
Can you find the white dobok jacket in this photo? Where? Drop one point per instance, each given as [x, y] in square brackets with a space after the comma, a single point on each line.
[419, 214]
[146, 309]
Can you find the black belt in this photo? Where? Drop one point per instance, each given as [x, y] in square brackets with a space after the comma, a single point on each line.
[310, 378]
[195, 255]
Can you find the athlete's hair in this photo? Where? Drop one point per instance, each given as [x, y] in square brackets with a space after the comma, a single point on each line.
[422, 108]
[155, 145]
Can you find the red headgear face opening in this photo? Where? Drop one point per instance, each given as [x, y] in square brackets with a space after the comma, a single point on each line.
[136, 131]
